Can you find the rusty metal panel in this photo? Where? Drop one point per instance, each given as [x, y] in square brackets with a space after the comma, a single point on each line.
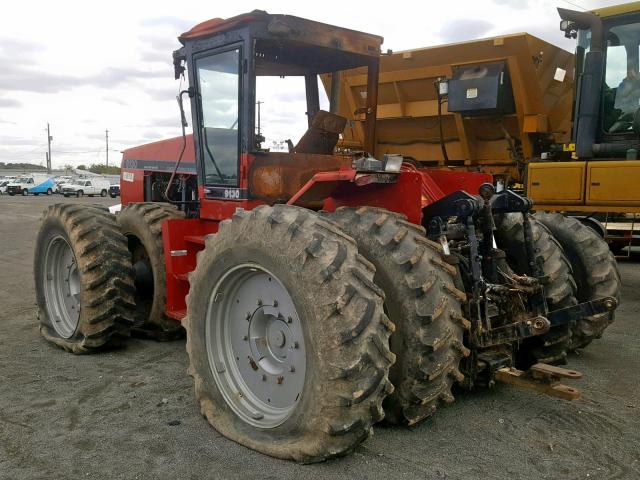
[290, 28]
[277, 176]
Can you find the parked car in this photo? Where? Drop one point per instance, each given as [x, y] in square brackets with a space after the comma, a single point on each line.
[35, 183]
[3, 186]
[60, 182]
[61, 185]
[85, 186]
[114, 190]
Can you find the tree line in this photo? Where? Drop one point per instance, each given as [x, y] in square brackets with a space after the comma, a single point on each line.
[22, 166]
[93, 168]
[97, 168]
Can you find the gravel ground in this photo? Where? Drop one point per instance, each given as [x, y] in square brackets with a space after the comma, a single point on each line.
[131, 413]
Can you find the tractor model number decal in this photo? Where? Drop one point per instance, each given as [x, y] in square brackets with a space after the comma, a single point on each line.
[127, 176]
[227, 193]
[232, 194]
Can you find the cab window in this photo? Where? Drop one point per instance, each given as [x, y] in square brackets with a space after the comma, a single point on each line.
[621, 92]
[218, 88]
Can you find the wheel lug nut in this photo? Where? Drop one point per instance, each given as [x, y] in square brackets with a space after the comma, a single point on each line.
[292, 369]
[280, 380]
[296, 345]
[289, 319]
[245, 338]
[264, 377]
[247, 316]
[275, 303]
[259, 302]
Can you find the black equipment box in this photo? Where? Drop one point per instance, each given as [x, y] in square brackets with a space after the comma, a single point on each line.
[478, 90]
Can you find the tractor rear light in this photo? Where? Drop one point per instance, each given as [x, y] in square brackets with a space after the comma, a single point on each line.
[392, 162]
[389, 163]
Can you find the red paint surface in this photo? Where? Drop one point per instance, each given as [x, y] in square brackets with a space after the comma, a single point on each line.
[414, 189]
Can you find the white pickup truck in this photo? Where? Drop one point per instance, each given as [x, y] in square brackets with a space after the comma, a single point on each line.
[87, 186]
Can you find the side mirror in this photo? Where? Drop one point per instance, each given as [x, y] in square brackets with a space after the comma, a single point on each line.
[569, 28]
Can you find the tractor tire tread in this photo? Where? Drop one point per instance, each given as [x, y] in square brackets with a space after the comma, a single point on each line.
[422, 302]
[595, 271]
[353, 371]
[106, 289]
[560, 290]
[147, 218]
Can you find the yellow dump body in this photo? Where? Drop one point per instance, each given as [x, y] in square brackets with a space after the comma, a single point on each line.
[408, 104]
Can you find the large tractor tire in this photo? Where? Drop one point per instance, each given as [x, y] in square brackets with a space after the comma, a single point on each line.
[422, 302]
[141, 223]
[83, 279]
[594, 269]
[286, 335]
[560, 290]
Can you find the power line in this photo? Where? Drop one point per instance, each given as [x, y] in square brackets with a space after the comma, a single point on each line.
[575, 5]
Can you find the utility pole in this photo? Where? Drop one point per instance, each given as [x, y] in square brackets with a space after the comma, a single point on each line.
[106, 136]
[49, 138]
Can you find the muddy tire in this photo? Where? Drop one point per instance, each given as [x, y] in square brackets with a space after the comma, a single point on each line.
[83, 279]
[422, 302]
[594, 267]
[141, 223]
[329, 402]
[560, 290]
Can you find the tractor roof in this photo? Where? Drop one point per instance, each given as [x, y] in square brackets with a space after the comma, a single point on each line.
[606, 12]
[289, 28]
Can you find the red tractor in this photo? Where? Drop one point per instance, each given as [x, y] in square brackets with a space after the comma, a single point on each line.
[320, 291]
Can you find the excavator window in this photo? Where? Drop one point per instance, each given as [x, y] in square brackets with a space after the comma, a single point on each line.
[218, 93]
[621, 91]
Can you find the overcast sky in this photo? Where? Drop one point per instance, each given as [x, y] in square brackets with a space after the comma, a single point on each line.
[89, 66]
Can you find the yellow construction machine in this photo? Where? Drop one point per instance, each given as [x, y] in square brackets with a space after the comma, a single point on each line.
[564, 128]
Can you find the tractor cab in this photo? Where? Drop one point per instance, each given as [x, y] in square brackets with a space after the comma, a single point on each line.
[607, 101]
[227, 61]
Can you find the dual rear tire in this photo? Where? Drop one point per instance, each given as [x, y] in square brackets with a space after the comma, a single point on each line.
[83, 278]
[422, 301]
[594, 269]
[141, 224]
[302, 369]
[560, 289]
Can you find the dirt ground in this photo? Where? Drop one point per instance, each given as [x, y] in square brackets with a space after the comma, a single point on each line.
[131, 413]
